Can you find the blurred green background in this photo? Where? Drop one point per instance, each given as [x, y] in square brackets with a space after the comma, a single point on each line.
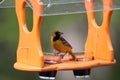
[75, 28]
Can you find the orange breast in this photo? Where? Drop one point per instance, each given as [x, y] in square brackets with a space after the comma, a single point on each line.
[59, 46]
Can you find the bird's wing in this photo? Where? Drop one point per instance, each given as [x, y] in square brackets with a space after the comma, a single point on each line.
[65, 42]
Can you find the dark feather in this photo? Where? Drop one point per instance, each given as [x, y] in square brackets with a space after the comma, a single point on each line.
[65, 42]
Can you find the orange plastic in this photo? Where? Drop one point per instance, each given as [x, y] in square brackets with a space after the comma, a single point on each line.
[29, 48]
[30, 56]
[98, 40]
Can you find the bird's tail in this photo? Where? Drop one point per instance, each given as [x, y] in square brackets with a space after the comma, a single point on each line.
[73, 55]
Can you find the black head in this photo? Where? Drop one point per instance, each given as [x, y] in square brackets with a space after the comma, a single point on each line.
[57, 33]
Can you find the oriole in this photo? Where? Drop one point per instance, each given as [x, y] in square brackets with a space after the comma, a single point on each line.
[61, 45]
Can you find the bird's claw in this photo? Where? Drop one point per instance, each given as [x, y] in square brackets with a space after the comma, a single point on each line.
[56, 54]
[61, 56]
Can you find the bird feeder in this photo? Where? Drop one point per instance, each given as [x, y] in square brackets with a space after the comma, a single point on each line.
[98, 47]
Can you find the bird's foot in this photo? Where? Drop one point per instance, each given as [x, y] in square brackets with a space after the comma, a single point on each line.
[56, 54]
[61, 56]
[75, 59]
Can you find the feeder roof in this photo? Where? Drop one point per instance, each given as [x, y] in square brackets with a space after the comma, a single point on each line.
[59, 7]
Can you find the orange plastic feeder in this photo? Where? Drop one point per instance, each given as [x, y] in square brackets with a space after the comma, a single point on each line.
[30, 56]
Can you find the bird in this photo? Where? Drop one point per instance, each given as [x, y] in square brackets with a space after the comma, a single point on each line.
[61, 45]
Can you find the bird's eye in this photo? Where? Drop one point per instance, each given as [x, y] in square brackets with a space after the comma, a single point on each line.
[57, 33]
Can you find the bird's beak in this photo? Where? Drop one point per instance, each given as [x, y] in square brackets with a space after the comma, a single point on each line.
[60, 33]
